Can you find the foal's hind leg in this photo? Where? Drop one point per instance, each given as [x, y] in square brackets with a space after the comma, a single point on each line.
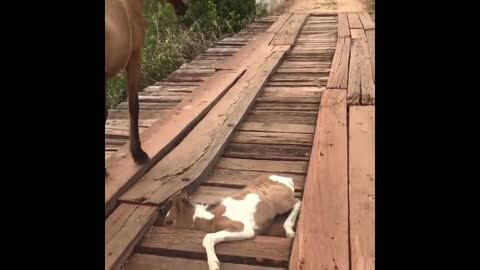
[211, 239]
[133, 80]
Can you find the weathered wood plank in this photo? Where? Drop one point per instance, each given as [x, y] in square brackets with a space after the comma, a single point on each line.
[162, 239]
[338, 78]
[366, 20]
[212, 195]
[273, 166]
[358, 33]
[353, 20]
[153, 262]
[321, 240]
[289, 31]
[371, 49]
[286, 106]
[239, 178]
[277, 127]
[279, 23]
[123, 230]
[362, 186]
[343, 28]
[282, 119]
[272, 138]
[190, 160]
[361, 87]
[123, 171]
[268, 151]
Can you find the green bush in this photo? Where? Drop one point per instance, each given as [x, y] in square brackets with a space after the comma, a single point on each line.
[171, 41]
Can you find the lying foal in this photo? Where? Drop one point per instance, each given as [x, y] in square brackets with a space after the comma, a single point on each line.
[240, 216]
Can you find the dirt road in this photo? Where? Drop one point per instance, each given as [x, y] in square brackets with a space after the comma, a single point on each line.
[324, 5]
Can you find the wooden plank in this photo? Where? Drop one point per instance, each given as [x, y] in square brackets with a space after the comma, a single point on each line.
[164, 239]
[354, 21]
[153, 262]
[358, 33]
[268, 151]
[278, 24]
[123, 230]
[321, 240]
[212, 195]
[282, 119]
[271, 166]
[285, 99]
[371, 49]
[277, 127]
[123, 171]
[338, 78]
[239, 178]
[343, 28]
[286, 106]
[361, 87]
[289, 31]
[362, 186]
[190, 160]
[367, 22]
[256, 48]
[272, 138]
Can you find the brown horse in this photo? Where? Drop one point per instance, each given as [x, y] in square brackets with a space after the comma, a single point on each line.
[125, 28]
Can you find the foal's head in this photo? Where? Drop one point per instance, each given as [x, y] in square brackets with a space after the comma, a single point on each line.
[181, 213]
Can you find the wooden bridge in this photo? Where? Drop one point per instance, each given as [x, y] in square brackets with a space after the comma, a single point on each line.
[292, 95]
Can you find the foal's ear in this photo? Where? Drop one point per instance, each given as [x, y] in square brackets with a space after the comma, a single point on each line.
[182, 199]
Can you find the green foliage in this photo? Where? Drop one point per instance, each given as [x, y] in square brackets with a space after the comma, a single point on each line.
[171, 41]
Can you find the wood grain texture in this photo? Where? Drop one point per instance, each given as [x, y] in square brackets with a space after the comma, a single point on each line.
[123, 172]
[321, 240]
[343, 27]
[199, 150]
[354, 20]
[371, 49]
[338, 78]
[276, 127]
[272, 138]
[123, 230]
[273, 166]
[366, 20]
[361, 87]
[362, 186]
[268, 151]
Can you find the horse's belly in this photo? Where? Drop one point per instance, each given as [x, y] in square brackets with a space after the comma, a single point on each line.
[118, 48]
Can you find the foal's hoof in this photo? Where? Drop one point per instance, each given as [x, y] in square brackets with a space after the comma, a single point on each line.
[139, 156]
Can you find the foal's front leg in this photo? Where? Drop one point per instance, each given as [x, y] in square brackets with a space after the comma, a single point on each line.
[290, 221]
[133, 80]
[211, 239]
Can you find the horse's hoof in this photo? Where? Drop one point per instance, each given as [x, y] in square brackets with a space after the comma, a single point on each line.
[140, 156]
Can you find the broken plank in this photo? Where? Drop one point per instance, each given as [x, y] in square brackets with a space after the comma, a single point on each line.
[343, 28]
[289, 31]
[277, 127]
[164, 239]
[153, 262]
[123, 171]
[240, 178]
[272, 138]
[198, 151]
[272, 166]
[362, 186]
[366, 20]
[322, 228]
[354, 21]
[371, 49]
[338, 78]
[123, 230]
[268, 151]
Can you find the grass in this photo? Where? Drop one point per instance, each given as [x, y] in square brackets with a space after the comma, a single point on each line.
[171, 41]
[371, 8]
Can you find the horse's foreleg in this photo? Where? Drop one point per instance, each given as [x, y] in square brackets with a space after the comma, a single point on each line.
[133, 80]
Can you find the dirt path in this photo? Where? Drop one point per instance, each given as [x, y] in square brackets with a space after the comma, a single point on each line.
[324, 5]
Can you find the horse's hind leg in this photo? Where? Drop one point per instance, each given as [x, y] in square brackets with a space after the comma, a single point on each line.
[133, 80]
